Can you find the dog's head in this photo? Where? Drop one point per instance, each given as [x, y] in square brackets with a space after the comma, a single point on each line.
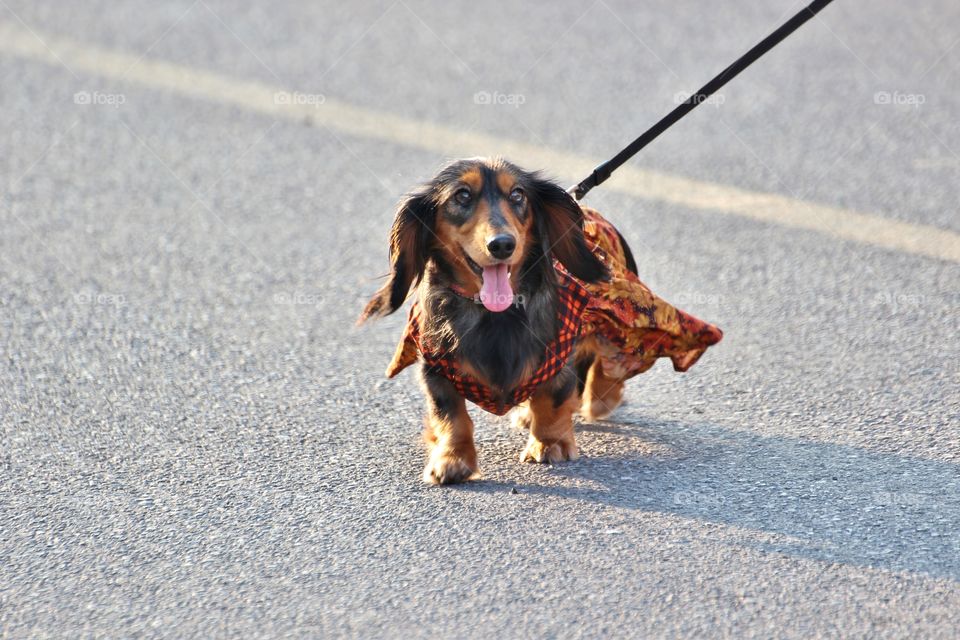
[483, 218]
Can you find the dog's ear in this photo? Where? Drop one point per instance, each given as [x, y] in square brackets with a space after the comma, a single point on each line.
[559, 221]
[409, 246]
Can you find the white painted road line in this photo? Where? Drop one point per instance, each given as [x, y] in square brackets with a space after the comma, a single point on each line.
[918, 239]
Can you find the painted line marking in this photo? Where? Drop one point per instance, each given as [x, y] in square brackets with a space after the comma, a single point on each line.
[865, 228]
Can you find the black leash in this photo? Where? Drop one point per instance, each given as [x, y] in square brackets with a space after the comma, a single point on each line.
[602, 172]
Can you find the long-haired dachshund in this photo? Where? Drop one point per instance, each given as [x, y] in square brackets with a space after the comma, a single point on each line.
[526, 300]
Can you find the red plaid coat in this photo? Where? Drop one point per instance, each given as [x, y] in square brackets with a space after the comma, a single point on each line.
[632, 326]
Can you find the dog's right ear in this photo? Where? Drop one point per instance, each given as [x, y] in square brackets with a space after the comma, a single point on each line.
[409, 246]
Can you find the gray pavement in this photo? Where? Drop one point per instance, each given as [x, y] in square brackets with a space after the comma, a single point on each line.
[196, 441]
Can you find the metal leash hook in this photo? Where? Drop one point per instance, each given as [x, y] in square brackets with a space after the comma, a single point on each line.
[604, 171]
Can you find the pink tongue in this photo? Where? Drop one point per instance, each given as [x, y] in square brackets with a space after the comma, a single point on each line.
[496, 294]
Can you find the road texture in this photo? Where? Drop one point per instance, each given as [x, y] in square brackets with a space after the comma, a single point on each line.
[196, 441]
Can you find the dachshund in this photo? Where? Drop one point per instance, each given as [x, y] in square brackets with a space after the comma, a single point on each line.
[504, 278]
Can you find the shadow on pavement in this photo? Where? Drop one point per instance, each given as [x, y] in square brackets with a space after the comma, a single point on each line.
[839, 503]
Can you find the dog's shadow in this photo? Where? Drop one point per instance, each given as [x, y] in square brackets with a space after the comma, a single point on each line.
[836, 503]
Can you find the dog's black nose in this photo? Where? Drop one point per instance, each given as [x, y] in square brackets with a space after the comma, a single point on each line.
[501, 246]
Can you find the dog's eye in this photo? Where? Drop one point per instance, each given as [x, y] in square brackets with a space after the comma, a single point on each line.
[462, 196]
[516, 196]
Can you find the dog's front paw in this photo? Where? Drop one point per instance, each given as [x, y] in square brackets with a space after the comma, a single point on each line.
[550, 452]
[446, 467]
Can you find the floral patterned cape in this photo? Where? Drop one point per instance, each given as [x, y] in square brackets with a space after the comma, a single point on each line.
[632, 326]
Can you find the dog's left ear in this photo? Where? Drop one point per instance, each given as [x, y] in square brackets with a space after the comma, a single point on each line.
[559, 220]
[409, 246]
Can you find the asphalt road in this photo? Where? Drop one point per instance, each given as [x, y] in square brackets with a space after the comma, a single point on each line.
[196, 441]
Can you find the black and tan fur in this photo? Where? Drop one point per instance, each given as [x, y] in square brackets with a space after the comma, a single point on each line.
[439, 243]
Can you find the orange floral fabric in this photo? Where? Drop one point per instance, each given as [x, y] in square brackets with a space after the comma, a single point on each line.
[632, 327]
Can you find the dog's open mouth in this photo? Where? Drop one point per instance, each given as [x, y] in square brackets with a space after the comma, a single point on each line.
[496, 293]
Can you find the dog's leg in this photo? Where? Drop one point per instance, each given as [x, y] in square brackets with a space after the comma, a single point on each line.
[522, 416]
[601, 394]
[551, 411]
[448, 433]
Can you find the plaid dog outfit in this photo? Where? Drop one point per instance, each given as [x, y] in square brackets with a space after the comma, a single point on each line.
[631, 325]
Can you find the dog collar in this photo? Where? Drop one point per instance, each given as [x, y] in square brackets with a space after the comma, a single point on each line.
[460, 291]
